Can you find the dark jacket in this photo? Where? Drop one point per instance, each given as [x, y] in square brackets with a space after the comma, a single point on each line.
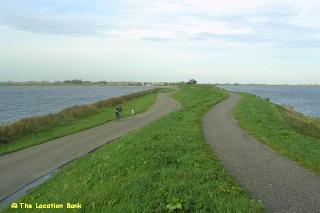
[119, 108]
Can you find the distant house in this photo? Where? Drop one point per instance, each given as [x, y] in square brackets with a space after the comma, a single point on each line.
[147, 84]
[192, 81]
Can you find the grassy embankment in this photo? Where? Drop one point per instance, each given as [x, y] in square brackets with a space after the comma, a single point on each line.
[286, 131]
[165, 166]
[32, 131]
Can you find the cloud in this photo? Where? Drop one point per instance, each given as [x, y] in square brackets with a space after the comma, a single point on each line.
[269, 22]
[54, 24]
[182, 30]
[56, 17]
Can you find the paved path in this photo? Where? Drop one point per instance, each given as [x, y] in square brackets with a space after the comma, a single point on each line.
[281, 184]
[21, 168]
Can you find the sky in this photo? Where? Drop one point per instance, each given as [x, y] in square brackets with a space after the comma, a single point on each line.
[212, 41]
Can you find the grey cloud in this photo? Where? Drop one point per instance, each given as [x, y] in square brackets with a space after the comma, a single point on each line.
[54, 17]
[271, 26]
[52, 25]
[274, 40]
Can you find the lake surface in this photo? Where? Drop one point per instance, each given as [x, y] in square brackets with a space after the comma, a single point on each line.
[18, 102]
[305, 99]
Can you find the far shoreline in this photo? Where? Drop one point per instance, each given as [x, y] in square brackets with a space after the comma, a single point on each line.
[146, 90]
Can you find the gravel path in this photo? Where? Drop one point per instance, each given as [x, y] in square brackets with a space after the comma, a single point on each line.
[280, 183]
[23, 167]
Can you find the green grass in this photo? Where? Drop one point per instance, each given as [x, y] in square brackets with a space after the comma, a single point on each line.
[164, 167]
[289, 133]
[67, 127]
[305, 125]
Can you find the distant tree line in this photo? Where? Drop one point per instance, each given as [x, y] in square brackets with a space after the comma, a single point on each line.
[109, 83]
[76, 81]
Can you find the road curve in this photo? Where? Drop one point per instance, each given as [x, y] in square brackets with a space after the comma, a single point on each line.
[280, 183]
[20, 168]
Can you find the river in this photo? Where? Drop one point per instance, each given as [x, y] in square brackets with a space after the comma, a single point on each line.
[18, 102]
[304, 99]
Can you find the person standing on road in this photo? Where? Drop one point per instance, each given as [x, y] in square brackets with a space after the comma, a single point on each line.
[118, 112]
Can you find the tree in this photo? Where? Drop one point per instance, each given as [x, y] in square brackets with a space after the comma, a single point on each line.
[192, 81]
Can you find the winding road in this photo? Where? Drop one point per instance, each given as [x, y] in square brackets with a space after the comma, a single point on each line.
[21, 168]
[282, 184]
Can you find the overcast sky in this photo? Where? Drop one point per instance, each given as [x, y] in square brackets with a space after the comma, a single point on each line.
[245, 41]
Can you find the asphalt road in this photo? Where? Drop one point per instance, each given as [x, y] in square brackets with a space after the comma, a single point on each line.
[282, 184]
[21, 168]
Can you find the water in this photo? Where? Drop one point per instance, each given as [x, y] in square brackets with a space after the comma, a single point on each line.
[18, 102]
[304, 99]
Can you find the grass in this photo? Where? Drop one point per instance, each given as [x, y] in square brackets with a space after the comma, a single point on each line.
[163, 167]
[284, 130]
[32, 131]
[305, 125]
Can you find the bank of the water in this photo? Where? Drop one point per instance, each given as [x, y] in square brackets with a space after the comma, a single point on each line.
[18, 102]
[164, 167]
[286, 131]
[33, 131]
[304, 99]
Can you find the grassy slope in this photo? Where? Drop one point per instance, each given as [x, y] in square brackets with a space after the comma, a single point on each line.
[165, 165]
[309, 126]
[69, 127]
[266, 121]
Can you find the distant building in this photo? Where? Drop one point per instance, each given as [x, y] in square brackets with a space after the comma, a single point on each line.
[163, 84]
[192, 81]
[147, 84]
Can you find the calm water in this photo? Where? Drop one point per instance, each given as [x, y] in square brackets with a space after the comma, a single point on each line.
[305, 99]
[18, 102]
